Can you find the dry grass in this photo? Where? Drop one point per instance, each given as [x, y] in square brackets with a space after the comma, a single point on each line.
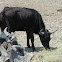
[53, 20]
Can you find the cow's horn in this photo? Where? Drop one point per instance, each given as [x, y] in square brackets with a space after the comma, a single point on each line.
[53, 31]
[41, 32]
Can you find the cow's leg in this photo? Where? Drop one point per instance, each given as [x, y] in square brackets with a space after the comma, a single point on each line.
[32, 41]
[28, 40]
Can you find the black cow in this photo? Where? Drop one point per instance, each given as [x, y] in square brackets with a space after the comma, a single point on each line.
[25, 19]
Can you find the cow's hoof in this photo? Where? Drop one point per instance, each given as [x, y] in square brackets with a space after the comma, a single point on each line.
[34, 49]
[28, 46]
[47, 48]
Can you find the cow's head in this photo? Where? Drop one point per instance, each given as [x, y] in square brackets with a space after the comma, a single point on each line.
[45, 38]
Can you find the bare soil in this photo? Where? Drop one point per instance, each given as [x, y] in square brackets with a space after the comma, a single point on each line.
[51, 11]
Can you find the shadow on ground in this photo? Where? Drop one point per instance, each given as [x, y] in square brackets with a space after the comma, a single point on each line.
[53, 48]
[38, 49]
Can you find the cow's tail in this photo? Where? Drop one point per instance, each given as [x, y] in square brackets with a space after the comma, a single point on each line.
[6, 21]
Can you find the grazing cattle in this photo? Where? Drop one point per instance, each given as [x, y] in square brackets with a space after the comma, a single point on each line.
[25, 19]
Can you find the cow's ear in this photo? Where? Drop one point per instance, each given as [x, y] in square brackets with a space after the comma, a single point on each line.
[48, 32]
[41, 32]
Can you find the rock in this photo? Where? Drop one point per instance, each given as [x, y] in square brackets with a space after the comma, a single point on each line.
[5, 45]
[17, 54]
[4, 55]
[11, 51]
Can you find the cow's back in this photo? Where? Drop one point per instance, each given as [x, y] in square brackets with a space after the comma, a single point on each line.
[23, 19]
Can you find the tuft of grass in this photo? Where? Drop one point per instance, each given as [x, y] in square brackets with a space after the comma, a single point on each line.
[48, 56]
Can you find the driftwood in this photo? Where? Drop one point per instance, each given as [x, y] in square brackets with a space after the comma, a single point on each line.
[11, 51]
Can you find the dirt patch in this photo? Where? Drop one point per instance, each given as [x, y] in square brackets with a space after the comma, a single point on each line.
[52, 17]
